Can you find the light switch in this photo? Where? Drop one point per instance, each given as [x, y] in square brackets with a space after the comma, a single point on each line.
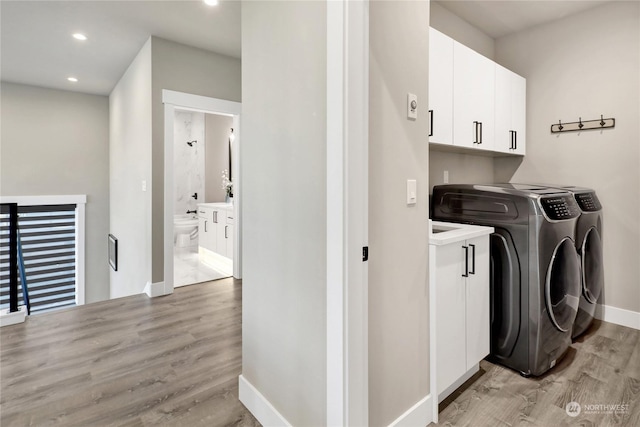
[412, 192]
[412, 106]
[144, 185]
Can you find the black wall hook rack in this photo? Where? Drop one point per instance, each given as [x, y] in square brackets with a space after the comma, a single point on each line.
[580, 125]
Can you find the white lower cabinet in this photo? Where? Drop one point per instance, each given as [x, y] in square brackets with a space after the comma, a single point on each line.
[460, 278]
[216, 235]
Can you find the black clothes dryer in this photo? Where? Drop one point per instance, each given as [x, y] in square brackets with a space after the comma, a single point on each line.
[535, 272]
[588, 239]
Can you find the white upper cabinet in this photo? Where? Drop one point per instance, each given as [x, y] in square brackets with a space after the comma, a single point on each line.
[474, 103]
[510, 111]
[440, 88]
[473, 99]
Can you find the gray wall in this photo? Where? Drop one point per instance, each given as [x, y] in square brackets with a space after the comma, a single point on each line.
[458, 29]
[462, 168]
[283, 155]
[57, 143]
[129, 165]
[137, 149]
[584, 66]
[184, 69]
[398, 235]
[216, 135]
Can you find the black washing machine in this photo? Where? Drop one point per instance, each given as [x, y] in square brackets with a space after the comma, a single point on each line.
[535, 270]
[588, 239]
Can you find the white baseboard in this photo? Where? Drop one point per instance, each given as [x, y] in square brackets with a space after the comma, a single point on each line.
[7, 318]
[419, 415]
[259, 406]
[155, 289]
[619, 316]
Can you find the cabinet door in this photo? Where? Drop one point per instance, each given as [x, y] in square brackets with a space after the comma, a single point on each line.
[201, 233]
[229, 238]
[478, 321]
[519, 112]
[473, 98]
[503, 109]
[510, 111]
[221, 241]
[440, 88]
[450, 314]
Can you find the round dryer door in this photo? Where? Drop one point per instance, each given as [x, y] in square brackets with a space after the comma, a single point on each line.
[592, 269]
[562, 287]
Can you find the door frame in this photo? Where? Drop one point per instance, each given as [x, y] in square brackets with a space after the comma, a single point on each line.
[347, 212]
[173, 101]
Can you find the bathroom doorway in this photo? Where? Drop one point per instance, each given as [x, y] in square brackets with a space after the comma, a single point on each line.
[203, 197]
[201, 225]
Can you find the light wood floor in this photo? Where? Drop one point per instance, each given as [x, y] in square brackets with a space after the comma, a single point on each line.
[175, 361]
[132, 361]
[601, 368]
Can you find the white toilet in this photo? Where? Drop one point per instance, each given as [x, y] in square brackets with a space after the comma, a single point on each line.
[185, 230]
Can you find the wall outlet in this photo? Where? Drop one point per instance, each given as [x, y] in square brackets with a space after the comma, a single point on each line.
[446, 177]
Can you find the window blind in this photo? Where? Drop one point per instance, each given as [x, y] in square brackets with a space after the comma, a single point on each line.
[48, 237]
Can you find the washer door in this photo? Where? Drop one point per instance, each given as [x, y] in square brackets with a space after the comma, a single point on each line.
[592, 268]
[562, 287]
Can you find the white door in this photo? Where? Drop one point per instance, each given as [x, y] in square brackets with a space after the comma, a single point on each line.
[478, 321]
[440, 88]
[473, 98]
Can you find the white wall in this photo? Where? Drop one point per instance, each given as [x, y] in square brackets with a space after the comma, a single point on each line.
[184, 69]
[188, 160]
[398, 235]
[56, 143]
[217, 131]
[584, 66]
[129, 166]
[283, 155]
[462, 168]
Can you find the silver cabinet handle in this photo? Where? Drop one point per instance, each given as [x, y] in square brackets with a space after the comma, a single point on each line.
[205, 225]
[225, 231]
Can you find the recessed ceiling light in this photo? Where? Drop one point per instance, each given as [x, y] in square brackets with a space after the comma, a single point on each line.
[79, 36]
[72, 79]
[211, 2]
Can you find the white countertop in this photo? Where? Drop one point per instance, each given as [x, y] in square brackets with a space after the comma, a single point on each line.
[218, 205]
[451, 232]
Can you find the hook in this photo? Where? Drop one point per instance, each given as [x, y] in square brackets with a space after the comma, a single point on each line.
[580, 125]
[560, 127]
[601, 121]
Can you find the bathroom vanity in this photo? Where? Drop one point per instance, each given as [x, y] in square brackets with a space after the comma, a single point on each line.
[216, 232]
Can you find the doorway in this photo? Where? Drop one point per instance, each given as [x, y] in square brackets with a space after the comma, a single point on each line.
[186, 261]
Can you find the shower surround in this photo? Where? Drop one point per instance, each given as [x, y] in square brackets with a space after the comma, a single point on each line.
[188, 160]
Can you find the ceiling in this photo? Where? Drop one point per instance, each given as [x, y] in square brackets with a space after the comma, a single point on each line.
[500, 18]
[37, 48]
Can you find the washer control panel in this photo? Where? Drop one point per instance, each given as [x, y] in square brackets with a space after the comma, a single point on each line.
[588, 202]
[560, 207]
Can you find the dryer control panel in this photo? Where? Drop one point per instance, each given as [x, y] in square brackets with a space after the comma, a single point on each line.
[588, 202]
[558, 208]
